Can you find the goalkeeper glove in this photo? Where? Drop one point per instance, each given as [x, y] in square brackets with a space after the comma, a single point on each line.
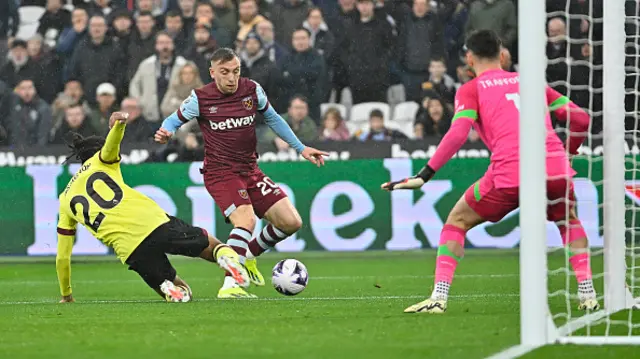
[414, 182]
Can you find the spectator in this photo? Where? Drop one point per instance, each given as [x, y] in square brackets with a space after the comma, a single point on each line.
[106, 105]
[188, 11]
[420, 39]
[174, 26]
[334, 128]
[436, 118]
[191, 149]
[557, 50]
[48, 68]
[227, 15]
[439, 84]
[74, 121]
[322, 39]
[9, 24]
[506, 61]
[222, 36]
[121, 24]
[152, 8]
[38, 3]
[418, 130]
[20, 66]
[265, 8]
[4, 91]
[151, 81]
[464, 74]
[97, 59]
[53, 21]
[180, 87]
[368, 51]
[289, 15]
[275, 51]
[395, 11]
[454, 36]
[100, 8]
[72, 36]
[347, 15]
[589, 73]
[249, 17]
[142, 42]
[203, 47]
[473, 136]
[25, 119]
[377, 131]
[72, 95]
[302, 72]
[298, 118]
[261, 69]
[138, 129]
[497, 15]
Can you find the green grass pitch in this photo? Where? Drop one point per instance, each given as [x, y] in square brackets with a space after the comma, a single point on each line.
[352, 308]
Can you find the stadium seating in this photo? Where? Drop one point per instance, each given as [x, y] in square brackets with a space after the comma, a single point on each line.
[359, 117]
[29, 21]
[404, 115]
[340, 107]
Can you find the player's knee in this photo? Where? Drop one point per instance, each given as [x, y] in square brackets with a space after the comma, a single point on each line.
[248, 223]
[579, 244]
[285, 218]
[572, 215]
[463, 216]
[243, 217]
[292, 224]
[457, 218]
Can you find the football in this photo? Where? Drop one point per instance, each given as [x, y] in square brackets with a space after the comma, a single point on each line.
[290, 277]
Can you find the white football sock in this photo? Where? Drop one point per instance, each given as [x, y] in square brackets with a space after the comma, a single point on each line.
[441, 291]
[586, 290]
[250, 255]
[229, 282]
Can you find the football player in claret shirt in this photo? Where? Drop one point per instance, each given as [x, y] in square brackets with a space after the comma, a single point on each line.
[490, 104]
[139, 231]
[226, 111]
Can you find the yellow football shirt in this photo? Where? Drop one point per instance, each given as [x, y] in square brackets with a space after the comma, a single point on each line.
[97, 197]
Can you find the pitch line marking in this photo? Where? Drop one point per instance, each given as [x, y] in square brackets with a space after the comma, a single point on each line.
[275, 299]
[18, 282]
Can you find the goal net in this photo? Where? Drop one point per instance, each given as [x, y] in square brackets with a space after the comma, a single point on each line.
[592, 55]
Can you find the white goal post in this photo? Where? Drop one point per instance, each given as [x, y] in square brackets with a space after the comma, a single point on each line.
[537, 326]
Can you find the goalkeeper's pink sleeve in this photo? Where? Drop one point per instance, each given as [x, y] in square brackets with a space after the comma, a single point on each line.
[565, 110]
[451, 142]
[578, 125]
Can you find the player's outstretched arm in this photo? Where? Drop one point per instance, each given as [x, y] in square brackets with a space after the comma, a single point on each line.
[110, 152]
[284, 131]
[450, 144]
[565, 110]
[466, 113]
[66, 233]
[189, 109]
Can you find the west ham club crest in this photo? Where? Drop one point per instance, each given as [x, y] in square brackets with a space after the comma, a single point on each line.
[243, 192]
[247, 103]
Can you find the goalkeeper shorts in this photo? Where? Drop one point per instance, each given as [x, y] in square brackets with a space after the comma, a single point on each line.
[492, 203]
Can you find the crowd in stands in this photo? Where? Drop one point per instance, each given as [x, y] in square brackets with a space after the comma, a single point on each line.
[66, 65]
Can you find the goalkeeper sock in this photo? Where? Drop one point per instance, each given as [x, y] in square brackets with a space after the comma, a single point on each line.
[446, 262]
[267, 239]
[579, 258]
[238, 241]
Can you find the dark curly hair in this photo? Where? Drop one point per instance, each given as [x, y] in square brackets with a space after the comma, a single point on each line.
[83, 148]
